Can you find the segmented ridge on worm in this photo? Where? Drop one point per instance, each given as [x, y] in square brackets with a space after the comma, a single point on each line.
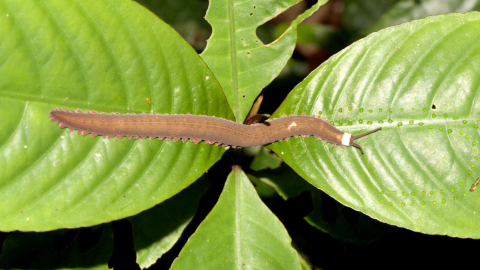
[194, 140]
[109, 136]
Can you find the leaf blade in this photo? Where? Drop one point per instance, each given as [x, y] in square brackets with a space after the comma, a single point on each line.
[238, 58]
[107, 56]
[239, 232]
[415, 172]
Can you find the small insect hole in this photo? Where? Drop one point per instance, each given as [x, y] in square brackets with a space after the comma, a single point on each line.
[244, 96]
[434, 107]
[254, 7]
[251, 14]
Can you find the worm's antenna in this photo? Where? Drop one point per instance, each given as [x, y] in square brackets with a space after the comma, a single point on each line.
[361, 135]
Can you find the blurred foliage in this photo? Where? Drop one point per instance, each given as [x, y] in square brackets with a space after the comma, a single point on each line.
[409, 10]
[360, 14]
[185, 16]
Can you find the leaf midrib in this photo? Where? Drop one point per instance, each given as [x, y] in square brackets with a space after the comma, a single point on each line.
[416, 122]
[233, 59]
[238, 201]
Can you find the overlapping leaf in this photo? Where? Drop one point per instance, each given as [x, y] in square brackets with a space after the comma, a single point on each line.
[108, 55]
[239, 233]
[420, 82]
[239, 60]
[265, 159]
[360, 14]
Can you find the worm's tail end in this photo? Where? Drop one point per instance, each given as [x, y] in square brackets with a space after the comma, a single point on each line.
[361, 135]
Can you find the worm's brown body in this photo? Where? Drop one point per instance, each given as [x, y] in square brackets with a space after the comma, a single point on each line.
[196, 127]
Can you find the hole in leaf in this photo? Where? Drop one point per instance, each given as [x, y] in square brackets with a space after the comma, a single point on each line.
[329, 209]
[267, 32]
[434, 107]
[88, 239]
[61, 241]
[351, 216]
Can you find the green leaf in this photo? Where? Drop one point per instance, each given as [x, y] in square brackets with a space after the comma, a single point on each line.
[108, 55]
[156, 230]
[240, 61]
[263, 189]
[34, 251]
[360, 14]
[418, 81]
[408, 10]
[286, 182]
[184, 16]
[289, 184]
[265, 159]
[240, 232]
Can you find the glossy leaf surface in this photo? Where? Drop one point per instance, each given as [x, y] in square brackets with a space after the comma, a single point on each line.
[112, 56]
[419, 82]
[239, 233]
[240, 61]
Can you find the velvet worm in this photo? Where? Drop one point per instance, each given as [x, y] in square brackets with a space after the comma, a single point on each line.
[198, 128]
